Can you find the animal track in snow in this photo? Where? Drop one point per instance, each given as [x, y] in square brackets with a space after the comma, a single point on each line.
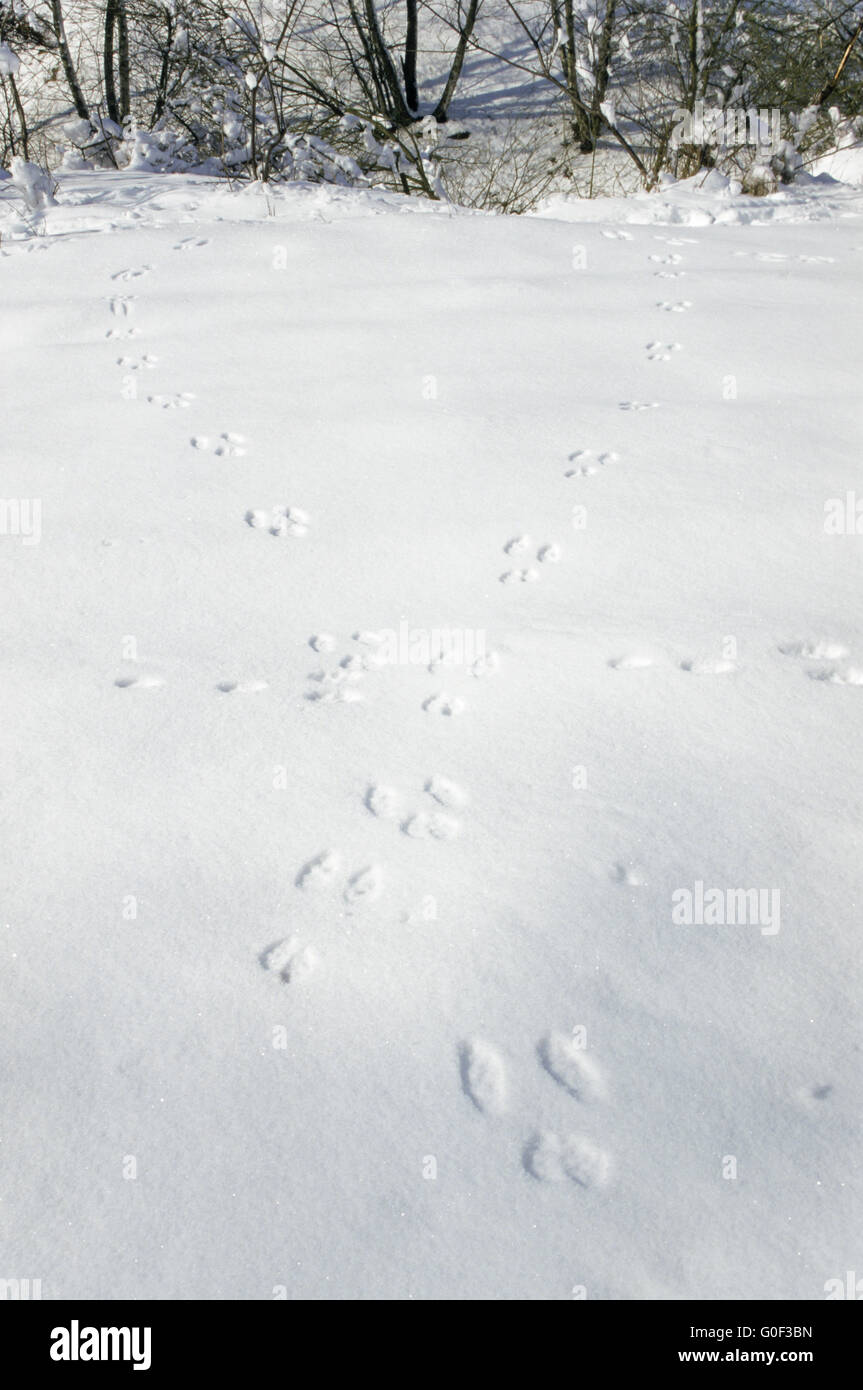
[825, 649]
[181, 401]
[548, 553]
[528, 576]
[483, 1076]
[617, 235]
[677, 240]
[337, 686]
[383, 802]
[134, 364]
[123, 334]
[709, 666]
[444, 704]
[322, 642]
[289, 960]
[661, 352]
[191, 243]
[631, 661]
[121, 305]
[485, 665]
[839, 675]
[142, 681]
[518, 545]
[547, 1156]
[678, 307]
[630, 874]
[820, 1091]
[228, 445]
[639, 405]
[553, 1158]
[320, 871]
[247, 687]
[364, 886]
[673, 259]
[572, 1067]
[778, 256]
[822, 650]
[446, 792]
[280, 521]
[132, 273]
[588, 463]
[669, 274]
[373, 657]
[436, 826]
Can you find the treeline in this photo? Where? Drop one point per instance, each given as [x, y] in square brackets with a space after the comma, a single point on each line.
[581, 91]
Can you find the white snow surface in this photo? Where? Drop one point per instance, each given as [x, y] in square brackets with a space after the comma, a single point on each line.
[275, 1014]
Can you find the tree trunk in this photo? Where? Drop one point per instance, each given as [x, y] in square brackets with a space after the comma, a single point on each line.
[398, 107]
[162, 88]
[603, 58]
[441, 111]
[409, 66]
[66, 59]
[108, 61]
[580, 121]
[19, 107]
[123, 57]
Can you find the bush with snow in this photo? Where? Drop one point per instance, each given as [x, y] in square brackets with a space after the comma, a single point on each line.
[35, 186]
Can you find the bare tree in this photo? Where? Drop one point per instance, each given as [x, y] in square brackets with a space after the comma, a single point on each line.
[74, 85]
[466, 23]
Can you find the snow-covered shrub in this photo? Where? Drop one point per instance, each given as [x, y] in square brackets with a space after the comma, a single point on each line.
[162, 150]
[35, 186]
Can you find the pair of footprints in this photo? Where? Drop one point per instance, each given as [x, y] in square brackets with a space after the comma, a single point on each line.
[289, 959]
[325, 870]
[778, 256]
[837, 672]
[381, 649]
[341, 684]
[547, 1155]
[832, 657]
[122, 306]
[672, 258]
[227, 445]
[149, 680]
[438, 824]
[548, 554]
[696, 666]
[587, 462]
[661, 352]
[280, 520]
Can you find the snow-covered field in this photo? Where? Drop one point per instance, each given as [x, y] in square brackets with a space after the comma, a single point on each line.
[327, 975]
